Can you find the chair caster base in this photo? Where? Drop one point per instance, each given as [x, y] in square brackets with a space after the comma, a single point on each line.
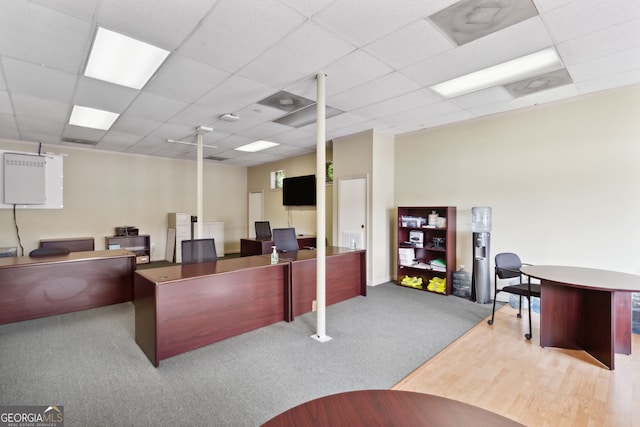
[527, 336]
[490, 321]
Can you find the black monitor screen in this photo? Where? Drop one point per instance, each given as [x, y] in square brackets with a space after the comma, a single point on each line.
[299, 191]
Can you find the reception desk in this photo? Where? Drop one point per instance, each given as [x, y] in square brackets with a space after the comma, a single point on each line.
[184, 307]
[33, 287]
[346, 276]
[257, 246]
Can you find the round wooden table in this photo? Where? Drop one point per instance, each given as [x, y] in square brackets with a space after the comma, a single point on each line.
[387, 408]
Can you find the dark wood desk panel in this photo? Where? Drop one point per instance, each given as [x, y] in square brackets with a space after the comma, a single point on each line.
[345, 275]
[181, 308]
[387, 408]
[46, 286]
[256, 246]
[74, 244]
[585, 308]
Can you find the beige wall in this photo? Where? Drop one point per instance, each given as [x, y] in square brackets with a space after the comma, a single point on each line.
[303, 218]
[563, 180]
[370, 154]
[103, 190]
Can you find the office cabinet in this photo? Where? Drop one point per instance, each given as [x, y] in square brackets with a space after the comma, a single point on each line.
[426, 249]
[181, 224]
[214, 230]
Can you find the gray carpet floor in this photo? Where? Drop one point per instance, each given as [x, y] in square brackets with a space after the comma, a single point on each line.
[89, 363]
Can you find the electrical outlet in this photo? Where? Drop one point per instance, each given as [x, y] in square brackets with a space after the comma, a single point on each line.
[314, 305]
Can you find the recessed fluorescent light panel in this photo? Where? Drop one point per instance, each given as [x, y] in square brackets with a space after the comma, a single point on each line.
[257, 146]
[92, 118]
[122, 60]
[521, 68]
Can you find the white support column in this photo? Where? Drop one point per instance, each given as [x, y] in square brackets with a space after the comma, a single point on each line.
[321, 213]
[198, 230]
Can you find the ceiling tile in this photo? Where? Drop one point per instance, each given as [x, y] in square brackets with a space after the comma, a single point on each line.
[154, 107]
[135, 125]
[185, 79]
[389, 86]
[41, 109]
[29, 79]
[411, 44]
[601, 43]
[616, 63]
[41, 35]
[305, 52]
[363, 21]
[103, 95]
[40, 126]
[236, 32]
[5, 103]
[234, 94]
[578, 18]
[165, 26]
[408, 101]
[352, 70]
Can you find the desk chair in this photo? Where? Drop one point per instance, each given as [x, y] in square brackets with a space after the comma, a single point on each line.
[508, 267]
[49, 251]
[263, 230]
[198, 250]
[284, 239]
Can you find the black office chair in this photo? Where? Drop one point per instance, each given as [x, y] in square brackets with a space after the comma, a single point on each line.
[508, 267]
[263, 230]
[198, 250]
[285, 240]
[49, 251]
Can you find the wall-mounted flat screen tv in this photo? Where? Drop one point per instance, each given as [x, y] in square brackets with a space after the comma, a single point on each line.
[299, 191]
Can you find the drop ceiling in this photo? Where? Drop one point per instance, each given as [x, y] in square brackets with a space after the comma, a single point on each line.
[227, 56]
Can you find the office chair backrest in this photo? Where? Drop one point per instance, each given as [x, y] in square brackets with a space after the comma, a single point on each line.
[285, 239]
[507, 265]
[198, 250]
[263, 230]
[49, 251]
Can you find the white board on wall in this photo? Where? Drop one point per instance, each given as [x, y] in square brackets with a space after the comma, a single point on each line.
[53, 183]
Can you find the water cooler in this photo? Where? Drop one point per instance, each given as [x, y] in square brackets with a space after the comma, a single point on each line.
[481, 278]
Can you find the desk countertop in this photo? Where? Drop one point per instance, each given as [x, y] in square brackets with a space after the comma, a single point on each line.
[582, 277]
[21, 261]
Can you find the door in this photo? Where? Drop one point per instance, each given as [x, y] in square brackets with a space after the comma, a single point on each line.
[255, 211]
[352, 212]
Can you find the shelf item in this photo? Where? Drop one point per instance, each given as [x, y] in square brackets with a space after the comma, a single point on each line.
[426, 248]
[139, 245]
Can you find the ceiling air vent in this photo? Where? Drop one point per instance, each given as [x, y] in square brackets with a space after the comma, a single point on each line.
[217, 159]
[80, 141]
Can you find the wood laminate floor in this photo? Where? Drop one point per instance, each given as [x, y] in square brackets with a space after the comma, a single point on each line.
[496, 368]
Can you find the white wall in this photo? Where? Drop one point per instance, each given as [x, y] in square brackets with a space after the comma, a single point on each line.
[103, 190]
[563, 179]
